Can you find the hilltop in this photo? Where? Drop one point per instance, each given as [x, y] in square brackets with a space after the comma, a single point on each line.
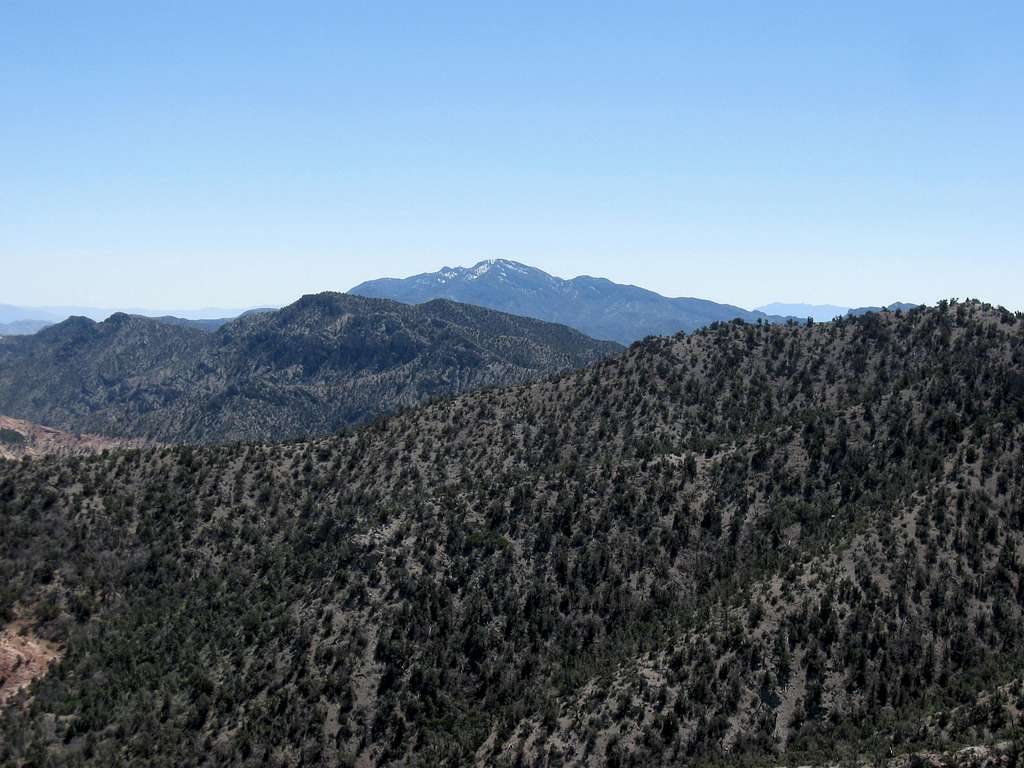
[753, 545]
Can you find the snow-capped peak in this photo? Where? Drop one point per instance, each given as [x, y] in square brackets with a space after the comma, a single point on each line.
[481, 268]
[446, 274]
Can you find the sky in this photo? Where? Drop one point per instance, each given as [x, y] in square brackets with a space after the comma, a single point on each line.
[218, 153]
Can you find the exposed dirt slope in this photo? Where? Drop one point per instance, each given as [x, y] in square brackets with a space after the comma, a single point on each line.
[23, 658]
[20, 438]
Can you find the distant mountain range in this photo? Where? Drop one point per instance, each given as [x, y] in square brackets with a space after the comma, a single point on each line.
[899, 306]
[20, 321]
[823, 313]
[54, 314]
[593, 305]
[23, 327]
[26, 327]
[327, 361]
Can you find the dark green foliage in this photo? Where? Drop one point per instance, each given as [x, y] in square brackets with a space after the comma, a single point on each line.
[11, 437]
[754, 545]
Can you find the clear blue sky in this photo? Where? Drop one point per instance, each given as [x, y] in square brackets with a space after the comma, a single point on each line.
[177, 154]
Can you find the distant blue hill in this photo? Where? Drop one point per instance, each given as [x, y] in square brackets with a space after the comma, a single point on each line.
[22, 321]
[820, 313]
[899, 305]
[10, 313]
[23, 327]
[598, 307]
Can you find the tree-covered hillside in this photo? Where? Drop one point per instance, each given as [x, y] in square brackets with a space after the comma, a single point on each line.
[322, 363]
[752, 545]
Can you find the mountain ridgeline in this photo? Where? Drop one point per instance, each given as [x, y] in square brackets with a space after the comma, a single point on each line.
[756, 544]
[823, 313]
[326, 362]
[595, 306]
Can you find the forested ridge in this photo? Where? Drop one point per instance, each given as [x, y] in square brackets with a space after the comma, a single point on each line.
[324, 362]
[752, 545]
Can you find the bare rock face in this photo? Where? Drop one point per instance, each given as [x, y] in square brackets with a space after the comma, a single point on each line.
[23, 658]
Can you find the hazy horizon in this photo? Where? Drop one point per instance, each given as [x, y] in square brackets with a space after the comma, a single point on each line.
[198, 312]
[201, 312]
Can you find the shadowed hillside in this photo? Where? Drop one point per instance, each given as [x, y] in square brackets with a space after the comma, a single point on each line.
[325, 362]
[752, 545]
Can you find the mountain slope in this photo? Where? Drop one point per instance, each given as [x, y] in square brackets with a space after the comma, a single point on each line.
[597, 307]
[205, 324]
[752, 545]
[19, 438]
[325, 362]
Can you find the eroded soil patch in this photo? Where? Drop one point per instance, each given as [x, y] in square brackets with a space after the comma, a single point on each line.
[23, 658]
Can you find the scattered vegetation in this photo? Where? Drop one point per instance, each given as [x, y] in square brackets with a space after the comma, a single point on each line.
[323, 363]
[752, 545]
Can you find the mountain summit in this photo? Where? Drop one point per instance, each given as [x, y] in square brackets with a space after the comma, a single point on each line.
[594, 305]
